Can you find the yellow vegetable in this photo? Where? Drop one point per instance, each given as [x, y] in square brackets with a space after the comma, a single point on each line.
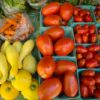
[29, 63]
[31, 93]
[26, 49]
[8, 92]
[13, 59]
[17, 45]
[4, 45]
[22, 80]
[3, 68]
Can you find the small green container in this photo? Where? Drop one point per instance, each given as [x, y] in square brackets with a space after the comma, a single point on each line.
[79, 72]
[68, 33]
[92, 14]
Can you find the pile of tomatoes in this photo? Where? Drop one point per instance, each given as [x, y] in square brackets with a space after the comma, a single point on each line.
[82, 15]
[59, 77]
[56, 14]
[85, 33]
[88, 57]
[53, 41]
[90, 84]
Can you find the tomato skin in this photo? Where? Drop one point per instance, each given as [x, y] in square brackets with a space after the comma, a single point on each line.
[84, 91]
[97, 57]
[78, 18]
[66, 11]
[55, 33]
[64, 46]
[82, 30]
[94, 48]
[85, 38]
[46, 67]
[89, 55]
[45, 45]
[97, 93]
[81, 63]
[51, 8]
[86, 26]
[78, 26]
[91, 90]
[78, 38]
[79, 56]
[52, 20]
[81, 49]
[92, 29]
[63, 66]
[70, 85]
[88, 18]
[88, 81]
[97, 78]
[49, 89]
[93, 38]
[92, 63]
[88, 73]
[76, 11]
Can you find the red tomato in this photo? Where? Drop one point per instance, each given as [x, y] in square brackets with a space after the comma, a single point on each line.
[84, 91]
[64, 46]
[89, 55]
[97, 93]
[55, 33]
[78, 38]
[51, 8]
[78, 26]
[97, 57]
[66, 11]
[97, 78]
[81, 63]
[85, 38]
[92, 63]
[78, 18]
[91, 90]
[93, 38]
[82, 30]
[63, 66]
[76, 11]
[49, 89]
[86, 26]
[87, 12]
[79, 56]
[46, 67]
[90, 73]
[81, 49]
[82, 13]
[92, 29]
[94, 48]
[89, 81]
[44, 44]
[52, 20]
[88, 18]
[70, 85]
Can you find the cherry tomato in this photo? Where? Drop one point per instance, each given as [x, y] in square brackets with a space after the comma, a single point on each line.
[82, 13]
[46, 67]
[89, 55]
[44, 44]
[92, 63]
[94, 48]
[82, 30]
[92, 29]
[89, 81]
[93, 38]
[97, 78]
[51, 8]
[84, 91]
[49, 89]
[78, 18]
[88, 18]
[63, 66]
[87, 12]
[91, 90]
[97, 93]
[81, 49]
[78, 26]
[97, 57]
[55, 33]
[66, 11]
[70, 84]
[64, 46]
[78, 38]
[76, 11]
[81, 63]
[52, 20]
[86, 26]
[79, 56]
[90, 73]
[84, 38]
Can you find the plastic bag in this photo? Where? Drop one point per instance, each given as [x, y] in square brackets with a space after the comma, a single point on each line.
[16, 27]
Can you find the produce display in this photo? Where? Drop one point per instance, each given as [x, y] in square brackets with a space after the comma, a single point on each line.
[52, 53]
[90, 84]
[97, 13]
[85, 33]
[82, 15]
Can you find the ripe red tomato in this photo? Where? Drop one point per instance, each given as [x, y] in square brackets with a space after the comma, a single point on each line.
[84, 38]
[97, 57]
[78, 38]
[92, 63]
[91, 90]
[97, 93]
[52, 20]
[97, 78]
[79, 56]
[78, 18]
[94, 48]
[89, 81]
[81, 63]
[66, 11]
[46, 67]
[92, 29]
[51, 8]
[88, 73]
[63, 66]
[88, 18]
[45, 45]
[55, 33]
[84, 91]
[76, 11]
[78, 26]
[86, 26]
[89, 55]
[64, 46]
[49, 89]
[82, 30]
[81, 49]
[70, 84]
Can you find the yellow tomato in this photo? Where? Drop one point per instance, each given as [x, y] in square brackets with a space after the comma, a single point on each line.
[8, 92]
